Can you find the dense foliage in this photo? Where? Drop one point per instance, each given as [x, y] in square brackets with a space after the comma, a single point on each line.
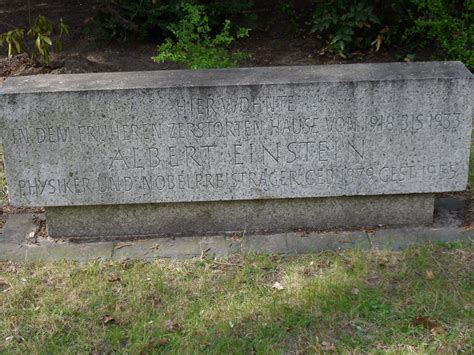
[195, 46]
[359, 24]
[348, 26]
[126, 19]
[449, 24]
[141, 19]
[199, 33]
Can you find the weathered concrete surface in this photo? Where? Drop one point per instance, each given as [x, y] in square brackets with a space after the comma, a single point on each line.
[17, 243]
[450, 210]
[275, 215]
[13, 246]
[50, 251]
[221, 245]
[17, 228]
[239, 134]
[53, 251]
[302, 243]
[402, 238]
[177, 248]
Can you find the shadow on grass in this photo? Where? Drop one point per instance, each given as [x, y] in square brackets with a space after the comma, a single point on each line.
[346, 301]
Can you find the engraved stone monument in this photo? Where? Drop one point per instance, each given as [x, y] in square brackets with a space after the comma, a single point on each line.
[198, 152]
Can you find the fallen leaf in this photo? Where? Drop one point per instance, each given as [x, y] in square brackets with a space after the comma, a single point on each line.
[124, 262]
[235, 237]
[107, 319]
[432, 325]
[156, 301]
[438, 330]
[163, 341]
[12, 268]
[383, 261]
[4, 285]
[372, 282]
[327, 346]
[377, 42]
[429, 275]
[119, 307]
[114, 277]
[172, 326]
[153, 343]
[278, 286]
[308, 271]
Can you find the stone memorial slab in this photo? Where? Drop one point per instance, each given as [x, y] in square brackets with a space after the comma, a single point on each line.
[252, 149]
[238, 134]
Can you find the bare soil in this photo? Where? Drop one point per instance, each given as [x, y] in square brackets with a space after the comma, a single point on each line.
[84, 52]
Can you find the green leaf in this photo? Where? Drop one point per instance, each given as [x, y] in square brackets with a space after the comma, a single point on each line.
[17, 46]
[38, 45]
[63, 28]
[47, 40]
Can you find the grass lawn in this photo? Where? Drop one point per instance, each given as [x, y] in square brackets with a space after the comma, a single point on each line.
[417, 301]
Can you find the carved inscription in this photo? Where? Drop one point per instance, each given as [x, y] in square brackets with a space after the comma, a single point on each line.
[238, 145]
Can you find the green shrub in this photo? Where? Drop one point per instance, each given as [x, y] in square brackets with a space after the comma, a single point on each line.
[348, 25]
[127, 19]
[351, 25]
[41, 33]
[14, 39]
[219, 11]
[449, 24]
[195, 45]
[124, 19]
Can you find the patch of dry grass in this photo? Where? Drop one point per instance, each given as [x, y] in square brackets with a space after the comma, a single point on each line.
[345, 301]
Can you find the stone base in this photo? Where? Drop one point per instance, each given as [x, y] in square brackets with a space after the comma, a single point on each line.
[206, 218]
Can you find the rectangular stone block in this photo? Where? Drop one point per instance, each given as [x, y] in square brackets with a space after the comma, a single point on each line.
[237, 134]
[273, 215]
